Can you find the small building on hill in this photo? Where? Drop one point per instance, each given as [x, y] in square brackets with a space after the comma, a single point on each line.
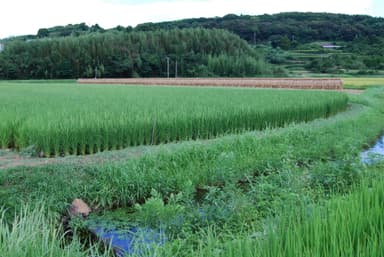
[330, 46]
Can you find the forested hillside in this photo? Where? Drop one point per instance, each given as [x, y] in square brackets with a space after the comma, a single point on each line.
[286, 43]
[287, 39]
[299, 27]
[296, 26]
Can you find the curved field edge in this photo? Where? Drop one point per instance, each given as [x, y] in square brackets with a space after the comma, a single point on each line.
[64, 119]
[194, 164]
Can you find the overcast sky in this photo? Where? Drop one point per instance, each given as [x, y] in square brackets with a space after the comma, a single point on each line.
[20, 17]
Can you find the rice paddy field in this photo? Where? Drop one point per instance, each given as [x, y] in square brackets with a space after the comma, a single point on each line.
[63, 119]
[214, 171]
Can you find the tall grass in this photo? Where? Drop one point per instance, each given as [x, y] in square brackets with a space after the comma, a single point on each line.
[33, 233]
[61, 119]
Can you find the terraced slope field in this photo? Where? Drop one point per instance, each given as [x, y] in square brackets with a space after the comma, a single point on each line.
[65, 118]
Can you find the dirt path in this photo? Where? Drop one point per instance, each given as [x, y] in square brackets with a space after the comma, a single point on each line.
[11, 159]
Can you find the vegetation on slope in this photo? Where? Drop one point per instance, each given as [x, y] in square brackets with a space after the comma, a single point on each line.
[358, 36]
[198, 52]
[298, 27]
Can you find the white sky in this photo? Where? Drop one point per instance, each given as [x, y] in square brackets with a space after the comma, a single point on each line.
[20, 17]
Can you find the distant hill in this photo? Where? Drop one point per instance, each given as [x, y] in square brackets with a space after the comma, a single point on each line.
[296, 26]
[302, 27]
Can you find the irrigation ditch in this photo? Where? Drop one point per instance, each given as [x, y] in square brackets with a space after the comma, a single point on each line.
[375, 153]
[124, 237]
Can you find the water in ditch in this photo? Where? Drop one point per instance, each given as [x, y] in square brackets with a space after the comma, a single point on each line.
[125, 237]
[374, 154]
[134, 240]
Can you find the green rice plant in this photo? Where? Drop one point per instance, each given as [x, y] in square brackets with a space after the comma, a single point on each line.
[62, 119]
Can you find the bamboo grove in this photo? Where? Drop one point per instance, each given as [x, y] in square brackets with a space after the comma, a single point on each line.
[190, 52]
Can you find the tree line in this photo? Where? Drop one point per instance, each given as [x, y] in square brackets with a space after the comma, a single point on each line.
[198, 52]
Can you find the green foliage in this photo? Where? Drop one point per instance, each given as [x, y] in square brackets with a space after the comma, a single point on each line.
[236, 66]
[225, 207]
[304, 27]
[121, 54]
[156, 214]
[336, 63]
[336, 176]
[69, 51]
